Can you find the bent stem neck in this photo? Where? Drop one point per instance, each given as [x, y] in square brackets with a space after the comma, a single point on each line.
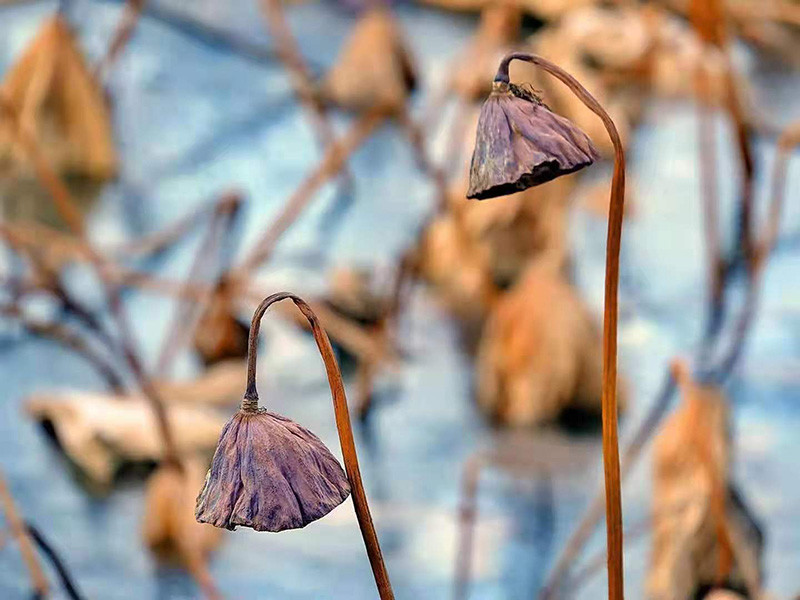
[613, 241]
[343, 426]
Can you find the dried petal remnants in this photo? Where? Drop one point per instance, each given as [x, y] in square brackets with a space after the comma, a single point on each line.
[520, 143]
[270, 474]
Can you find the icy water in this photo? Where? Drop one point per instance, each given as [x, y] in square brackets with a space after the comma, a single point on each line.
[193, 119]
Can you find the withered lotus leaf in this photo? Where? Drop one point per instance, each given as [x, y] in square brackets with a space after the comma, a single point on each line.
[520, 143]
[270, 474]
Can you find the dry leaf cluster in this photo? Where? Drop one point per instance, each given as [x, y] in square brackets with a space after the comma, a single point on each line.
[703, 533]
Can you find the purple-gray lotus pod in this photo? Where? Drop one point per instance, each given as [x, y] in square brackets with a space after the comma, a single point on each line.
[270, 474]
[520, 143]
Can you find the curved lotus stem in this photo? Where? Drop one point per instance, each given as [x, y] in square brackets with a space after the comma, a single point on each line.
[20, 531]
[613, 239]
[343, 427]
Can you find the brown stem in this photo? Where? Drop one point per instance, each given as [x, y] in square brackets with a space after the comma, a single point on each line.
[611, 467]
[742, 129]
[122, 35]
[788, 140]
[594, 512]
[185, 317]
[157, 241]
[343, 426]
[289, 54]
[332, 163]
[467, 515]
[710, 193]
[20, 532]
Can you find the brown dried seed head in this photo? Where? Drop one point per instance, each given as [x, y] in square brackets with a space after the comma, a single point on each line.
[270, 474]
[520, 143]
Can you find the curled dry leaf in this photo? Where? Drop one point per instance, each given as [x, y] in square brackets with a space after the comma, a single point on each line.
[703, 534]
[457, 269]
[58, 100]
[540, 353]
[270, 474]
[100, 433]
[219, 335]
[53, 99]
[375, 69]
[169, 527]
[522, 226]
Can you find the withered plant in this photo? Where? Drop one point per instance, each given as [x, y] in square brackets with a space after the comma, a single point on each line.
[271, 474]
[703, 533]
[715, 366]
[537, 148]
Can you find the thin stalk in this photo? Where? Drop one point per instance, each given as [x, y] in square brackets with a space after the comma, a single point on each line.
[716, 264]
[467, 515]
[185, 317]
[208, 34]
[746, 193]
[159, 240]
[332, 162]
[594, 512]
[67, 579]
[611, 468]
[63, 201]
[50, 283]
[468, 506]
[122, 35]
[289, 54]
[20, 532]
[69, 339]
[787, 142]
[343, 426]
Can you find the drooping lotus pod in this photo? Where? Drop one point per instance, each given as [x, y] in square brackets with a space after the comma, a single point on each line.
[520, 143]
[270, 474]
